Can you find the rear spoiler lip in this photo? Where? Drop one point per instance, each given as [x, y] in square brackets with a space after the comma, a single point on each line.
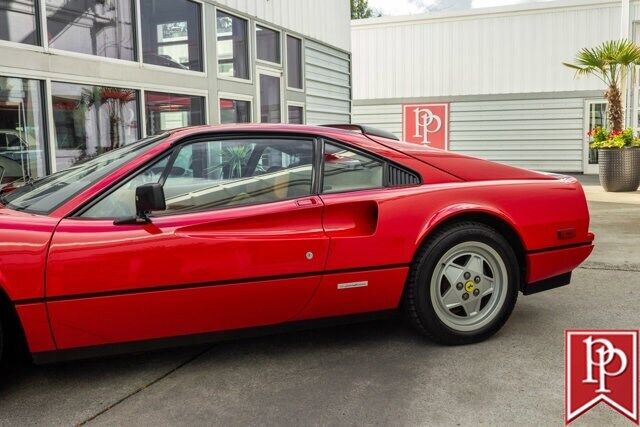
[365, 130]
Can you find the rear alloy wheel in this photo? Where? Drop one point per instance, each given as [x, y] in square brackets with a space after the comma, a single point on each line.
[463, 284]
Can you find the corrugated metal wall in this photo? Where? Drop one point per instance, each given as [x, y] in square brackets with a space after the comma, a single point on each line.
[542, 134]
[328, 84]
[516, 49]
[326, 20]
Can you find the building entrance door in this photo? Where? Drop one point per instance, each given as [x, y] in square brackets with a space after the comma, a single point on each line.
[595, 116]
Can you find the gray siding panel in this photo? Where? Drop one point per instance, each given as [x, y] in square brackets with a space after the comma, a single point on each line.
[542, 134]
[328, 84]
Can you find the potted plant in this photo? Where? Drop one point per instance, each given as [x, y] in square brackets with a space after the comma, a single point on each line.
[618, 156]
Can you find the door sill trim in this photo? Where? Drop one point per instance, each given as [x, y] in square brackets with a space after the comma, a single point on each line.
[109, 350]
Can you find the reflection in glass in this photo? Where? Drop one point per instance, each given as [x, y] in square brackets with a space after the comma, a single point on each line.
[296, 114]
[95, 27]
[218, 174]
[18, 21]
[91, 120]
[267, 44]
[233, 57]
[346, 170]
[234, 111]
[269, 99]
[45, 194]
[597, 118]
[22, 145]
[294, 62]
[169, 111]
[171, 34]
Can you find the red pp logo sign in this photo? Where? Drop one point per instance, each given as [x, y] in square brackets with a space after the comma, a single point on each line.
[601, 366]
[426, 124]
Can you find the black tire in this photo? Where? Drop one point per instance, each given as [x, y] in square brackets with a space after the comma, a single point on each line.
[13, 350]
[419, 306]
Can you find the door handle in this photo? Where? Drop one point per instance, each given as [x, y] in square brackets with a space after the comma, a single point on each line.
[311, 201]
[351, 219]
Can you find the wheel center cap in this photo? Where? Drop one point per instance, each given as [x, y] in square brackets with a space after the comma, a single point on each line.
[469, 286]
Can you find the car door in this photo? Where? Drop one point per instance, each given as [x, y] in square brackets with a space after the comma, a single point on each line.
[367, 220]
[241, 244]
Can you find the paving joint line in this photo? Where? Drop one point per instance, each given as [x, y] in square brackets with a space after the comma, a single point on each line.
[144, 387]
[609, 268]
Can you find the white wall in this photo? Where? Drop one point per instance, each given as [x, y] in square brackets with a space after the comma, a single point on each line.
[516, 49]
[324, 20]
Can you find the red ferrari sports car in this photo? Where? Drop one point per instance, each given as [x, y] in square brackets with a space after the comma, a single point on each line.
[212, 231]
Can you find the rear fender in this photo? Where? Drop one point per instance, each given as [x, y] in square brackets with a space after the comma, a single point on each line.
[459, 210]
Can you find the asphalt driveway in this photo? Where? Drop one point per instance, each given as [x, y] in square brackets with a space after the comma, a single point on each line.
[377, 373]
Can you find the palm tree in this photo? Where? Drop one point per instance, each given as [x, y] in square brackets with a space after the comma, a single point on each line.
[610, 62]
[235, 157]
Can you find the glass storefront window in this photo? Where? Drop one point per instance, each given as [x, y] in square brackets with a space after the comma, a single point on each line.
[91, 120]
[18, 21]
[171, 34]
[296, 114]
[169, 111]
[267, 44]
[233, 49]
[22, 141]
[294, 62]
[95, 27]
[269, 99]
[235, 111]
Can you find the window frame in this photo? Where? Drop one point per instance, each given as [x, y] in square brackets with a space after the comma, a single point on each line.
[45, 110]
[297, 104]
[280, 50]
[53, 142]
[203, 43]
[173, 152]
[39, 31]
[235, 97]
[302, 62]
[317, 176]
[47, 78]
[43, 45]
[144, 111]
[248, 80]
[385, 168]
[279, 75]
[135, 32]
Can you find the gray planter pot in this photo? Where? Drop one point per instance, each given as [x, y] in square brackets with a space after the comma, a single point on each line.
[619, 169]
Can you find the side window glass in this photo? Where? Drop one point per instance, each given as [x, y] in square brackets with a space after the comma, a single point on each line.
[225, 173]
[121, 203]
[347, 170]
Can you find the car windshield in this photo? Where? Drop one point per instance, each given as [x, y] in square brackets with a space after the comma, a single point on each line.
[44, 195]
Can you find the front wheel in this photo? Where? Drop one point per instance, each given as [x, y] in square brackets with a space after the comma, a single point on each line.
[463, 284]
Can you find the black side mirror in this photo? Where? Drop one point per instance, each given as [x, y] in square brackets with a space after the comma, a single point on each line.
[149, 197]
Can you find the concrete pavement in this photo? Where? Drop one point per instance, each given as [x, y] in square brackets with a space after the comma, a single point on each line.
[376, 373]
